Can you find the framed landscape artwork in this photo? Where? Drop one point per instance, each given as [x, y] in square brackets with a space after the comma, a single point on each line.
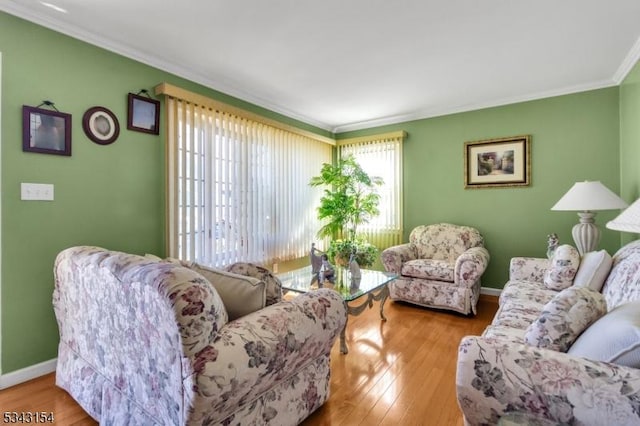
[497, 162]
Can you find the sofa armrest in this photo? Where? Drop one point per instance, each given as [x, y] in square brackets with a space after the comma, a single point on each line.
[394, 257]
[495, 376]
[470, 266]
[252, 353]
[528, 268]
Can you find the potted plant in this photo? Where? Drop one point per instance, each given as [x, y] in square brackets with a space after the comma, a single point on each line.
[350, 200]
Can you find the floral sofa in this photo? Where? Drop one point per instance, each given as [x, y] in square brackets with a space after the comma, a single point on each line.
[147, 342]
[440, 267]
[564, 346]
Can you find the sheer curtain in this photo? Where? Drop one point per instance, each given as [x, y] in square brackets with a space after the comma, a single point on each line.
[238, 188]
[381, 155]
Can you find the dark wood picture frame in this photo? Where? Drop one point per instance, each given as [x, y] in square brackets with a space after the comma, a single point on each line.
[498, 162]
[100, 125]
[143, 114]
[45, 131]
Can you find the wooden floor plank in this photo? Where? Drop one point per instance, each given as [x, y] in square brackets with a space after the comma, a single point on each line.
[397, 372]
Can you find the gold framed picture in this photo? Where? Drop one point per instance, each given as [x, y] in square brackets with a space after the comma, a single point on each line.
[497, 162]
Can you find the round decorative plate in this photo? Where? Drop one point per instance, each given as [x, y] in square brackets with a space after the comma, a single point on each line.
[100, 125]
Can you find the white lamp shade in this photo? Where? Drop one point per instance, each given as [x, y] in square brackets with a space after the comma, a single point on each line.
[628, 220]
[589, 196]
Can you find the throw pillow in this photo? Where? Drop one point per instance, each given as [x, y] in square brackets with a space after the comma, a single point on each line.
[274, 285]
[565, 317]
[613, 338]
[240, 294]
[593, 271]
[564, 265]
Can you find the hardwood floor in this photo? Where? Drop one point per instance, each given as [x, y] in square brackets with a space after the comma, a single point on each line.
[399, 372]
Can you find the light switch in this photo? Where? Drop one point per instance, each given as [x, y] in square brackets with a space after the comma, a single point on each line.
[36, 191]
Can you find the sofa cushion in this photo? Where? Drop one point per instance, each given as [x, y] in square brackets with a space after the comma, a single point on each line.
[565, 317]
[594, 269]
[613, 338]
[517, 313]
[564, 266]
[526, 291]
[240, 294]
[429, 269]
[514, 335]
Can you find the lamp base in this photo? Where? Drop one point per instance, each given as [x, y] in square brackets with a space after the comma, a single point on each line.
[586, 234]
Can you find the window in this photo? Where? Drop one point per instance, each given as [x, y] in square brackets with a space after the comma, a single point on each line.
[238, 187]
[381, 155]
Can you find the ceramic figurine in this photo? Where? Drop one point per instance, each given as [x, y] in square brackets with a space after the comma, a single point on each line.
[354, 268]
[315, 258]
[326, 271]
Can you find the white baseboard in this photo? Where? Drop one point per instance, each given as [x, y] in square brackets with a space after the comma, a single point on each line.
[28, 373]
[491, 291]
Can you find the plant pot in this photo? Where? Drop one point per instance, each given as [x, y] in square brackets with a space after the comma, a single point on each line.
[340, 260]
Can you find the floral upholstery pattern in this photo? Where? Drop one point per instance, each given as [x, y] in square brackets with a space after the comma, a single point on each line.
[531, 291]
[528, 269]
[440, 267]
[565, 317]
[620, 286]
[439, 270]
[563, 269]
[444, 241]
[496, 376]
[499, 372]
[146, 342]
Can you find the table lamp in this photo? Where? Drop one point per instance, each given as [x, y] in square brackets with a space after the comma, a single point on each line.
[628, 220]
[586, 198]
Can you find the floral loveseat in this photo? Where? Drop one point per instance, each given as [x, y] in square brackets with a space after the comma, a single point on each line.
[440, 267]
[564, 356]
[147, 342]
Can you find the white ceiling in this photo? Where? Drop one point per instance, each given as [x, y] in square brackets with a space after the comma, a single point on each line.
[350, 64]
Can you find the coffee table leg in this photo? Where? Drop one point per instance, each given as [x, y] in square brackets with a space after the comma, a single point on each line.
[385, 294]
[343, 340]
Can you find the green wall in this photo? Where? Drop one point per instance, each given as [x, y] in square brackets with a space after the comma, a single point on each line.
[630, 140]
[574, 138]
[113, 196]
[110, 196]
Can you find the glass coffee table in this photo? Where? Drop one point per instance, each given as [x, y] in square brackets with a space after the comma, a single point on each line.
[371, 286]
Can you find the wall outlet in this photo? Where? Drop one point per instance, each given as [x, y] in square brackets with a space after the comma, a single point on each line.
[36, 191]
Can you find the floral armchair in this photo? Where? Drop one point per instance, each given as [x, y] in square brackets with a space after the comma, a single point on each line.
[440, 267]
[152, 342]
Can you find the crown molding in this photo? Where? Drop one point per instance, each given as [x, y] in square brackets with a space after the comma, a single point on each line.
[31, 15]
[628, 63]
[227, 88]
[435, 112]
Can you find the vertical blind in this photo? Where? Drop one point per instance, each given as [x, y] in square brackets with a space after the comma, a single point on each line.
[238, 188]
[381, 155]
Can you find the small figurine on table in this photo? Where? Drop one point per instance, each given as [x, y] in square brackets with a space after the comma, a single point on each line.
[326, 271]
[321, 269]
[354, 270]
